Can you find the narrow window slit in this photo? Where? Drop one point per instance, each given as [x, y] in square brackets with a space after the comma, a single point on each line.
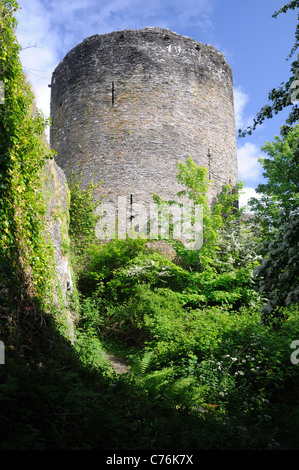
[131, 208]
[112, 94]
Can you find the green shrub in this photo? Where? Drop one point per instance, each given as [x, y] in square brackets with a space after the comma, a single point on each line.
[23, 156]
[82, 221]
[239, 362]
[151, 269]
[105, 259]
[130, 320]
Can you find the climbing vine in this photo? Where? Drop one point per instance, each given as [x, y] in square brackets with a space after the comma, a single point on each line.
[24, 247]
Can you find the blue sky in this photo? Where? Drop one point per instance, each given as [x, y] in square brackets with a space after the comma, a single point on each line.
[255, 45]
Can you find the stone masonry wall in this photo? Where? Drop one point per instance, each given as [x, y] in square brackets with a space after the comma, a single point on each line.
[126, 106]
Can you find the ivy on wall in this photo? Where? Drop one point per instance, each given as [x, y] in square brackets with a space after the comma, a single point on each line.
[25, 249]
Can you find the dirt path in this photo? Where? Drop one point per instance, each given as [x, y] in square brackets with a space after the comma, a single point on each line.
[120, 366]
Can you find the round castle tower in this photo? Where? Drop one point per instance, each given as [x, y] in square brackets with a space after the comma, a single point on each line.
[127, 106]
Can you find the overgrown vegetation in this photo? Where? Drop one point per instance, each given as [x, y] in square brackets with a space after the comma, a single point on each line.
[205, 372]
[193, 330]
[82, 221]
[27, 271]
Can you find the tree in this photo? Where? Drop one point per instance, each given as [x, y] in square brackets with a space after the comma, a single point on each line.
[279, 195]
[215, 218]
[287, 94]
[23, 156]
[278, 274]
[276, 213]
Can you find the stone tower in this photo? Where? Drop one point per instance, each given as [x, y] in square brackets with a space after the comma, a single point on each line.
[127, 105]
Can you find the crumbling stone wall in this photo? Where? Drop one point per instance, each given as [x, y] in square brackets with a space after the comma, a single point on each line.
[56, 194]
[126, 106]
[57, 218]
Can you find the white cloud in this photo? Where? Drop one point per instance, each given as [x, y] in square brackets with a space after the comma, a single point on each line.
[248, 164]
[241, 99]
[38, 54]
[247, 194]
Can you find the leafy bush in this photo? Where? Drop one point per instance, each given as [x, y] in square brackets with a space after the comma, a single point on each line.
[82, 221]
[278, 274]
[280, 191]
[232, 361]
[107, 258]
[113, 275]
[23, 156]
[207, 374]
[130, 319]
[151, 269]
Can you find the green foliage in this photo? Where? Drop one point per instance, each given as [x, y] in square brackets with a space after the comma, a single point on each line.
[232, 362]
[195, 323]
[134, 284]
[230, 287]
[23, 244]
[105, 259]
[280, 193]
[215, 218]
[140, 368]
[238, 247]
[291, 5]
[206, 374]
[276, 216]
[278, 274]
[194, 178]
[152, 269]
[82, 220]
